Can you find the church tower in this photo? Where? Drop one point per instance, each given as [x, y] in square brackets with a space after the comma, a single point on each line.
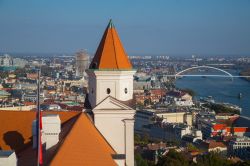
[110, 86]
[110, 72]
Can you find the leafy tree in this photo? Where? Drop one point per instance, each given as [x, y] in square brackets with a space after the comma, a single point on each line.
[245, 163]
[137, 138]
[189, 91]
[145, 138]
[191, 147]
[218, 108]
[20, 72]
[173, 158]
[147, 102]
[140, 161]
[3, 74]
[213, 159]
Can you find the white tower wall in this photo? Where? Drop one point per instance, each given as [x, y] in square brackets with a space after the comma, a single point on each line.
[120, 84]
[117, 126]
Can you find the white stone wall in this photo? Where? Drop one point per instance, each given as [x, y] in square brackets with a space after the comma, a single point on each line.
[116, 81]
[10, 160]
[50, 133]
[188, 118]
[115, 121]
[172, 117]
[112, 127]
[129, 141]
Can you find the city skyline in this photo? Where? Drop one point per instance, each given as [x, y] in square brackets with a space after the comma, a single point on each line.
[162, 28]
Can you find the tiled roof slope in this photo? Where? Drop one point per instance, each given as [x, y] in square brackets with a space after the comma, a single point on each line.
[110, 53]
[27, 157]
[84, 145]
[16, 127]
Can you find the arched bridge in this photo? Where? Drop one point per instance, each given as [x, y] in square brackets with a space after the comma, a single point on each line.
[209, 67]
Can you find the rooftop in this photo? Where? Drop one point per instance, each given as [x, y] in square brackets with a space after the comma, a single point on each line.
[6, 153]
[80, 143]
[110, 54]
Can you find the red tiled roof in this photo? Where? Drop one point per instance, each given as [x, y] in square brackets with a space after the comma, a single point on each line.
[84, 145]
[27, 103]
[27, 157]
[238, 129]
[16, 127]
[214, 144]
[110, 53]
[219, 127]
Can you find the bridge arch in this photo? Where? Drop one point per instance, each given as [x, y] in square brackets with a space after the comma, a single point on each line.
[209, 67]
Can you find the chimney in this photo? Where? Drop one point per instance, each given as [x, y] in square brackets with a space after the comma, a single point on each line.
[8, 158]
[50, 133]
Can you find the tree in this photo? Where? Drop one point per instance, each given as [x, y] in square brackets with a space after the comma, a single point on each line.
[137, 138]
[212, 159]
[173, 158]
[145, 138]
[20, 72]
[139, 160]
[189, 91]
[3, 74]
[191, 147]
[245, 163]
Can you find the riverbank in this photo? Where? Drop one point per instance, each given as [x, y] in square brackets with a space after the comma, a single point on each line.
[222, 90]
[245, 72]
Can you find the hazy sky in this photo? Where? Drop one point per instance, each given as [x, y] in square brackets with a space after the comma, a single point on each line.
[144, 26]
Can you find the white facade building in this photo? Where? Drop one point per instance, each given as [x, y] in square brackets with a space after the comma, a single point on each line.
[240, 147]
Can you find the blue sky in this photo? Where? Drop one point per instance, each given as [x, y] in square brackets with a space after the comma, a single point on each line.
[145, 26]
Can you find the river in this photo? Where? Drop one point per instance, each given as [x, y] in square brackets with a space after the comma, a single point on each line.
[221, 89]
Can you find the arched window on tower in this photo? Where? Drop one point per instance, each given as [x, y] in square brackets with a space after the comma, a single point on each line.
[108, 90]
[126, 90]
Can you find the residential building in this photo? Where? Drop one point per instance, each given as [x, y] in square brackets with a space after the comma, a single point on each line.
[176, 116]
[240, 147]
[179, 98]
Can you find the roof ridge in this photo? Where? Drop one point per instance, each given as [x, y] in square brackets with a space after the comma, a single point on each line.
[110, 53]
[114, 99]
[114, 47]
[103, 40]
[81, 140]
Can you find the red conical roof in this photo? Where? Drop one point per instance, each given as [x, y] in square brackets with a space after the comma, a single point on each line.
[110, 53]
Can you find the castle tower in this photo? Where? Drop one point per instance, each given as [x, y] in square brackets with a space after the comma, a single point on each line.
[110, 72]
[110, 82]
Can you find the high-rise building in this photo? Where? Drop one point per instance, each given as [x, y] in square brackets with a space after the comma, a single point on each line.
[82, 62]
